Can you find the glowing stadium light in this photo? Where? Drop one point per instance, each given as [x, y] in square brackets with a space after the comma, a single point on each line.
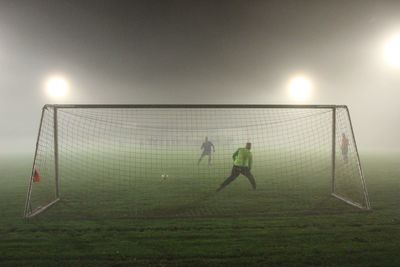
[56, 87]
[300, 88]
[392, 51]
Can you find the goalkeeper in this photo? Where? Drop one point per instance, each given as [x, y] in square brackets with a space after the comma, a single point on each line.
[242, 161]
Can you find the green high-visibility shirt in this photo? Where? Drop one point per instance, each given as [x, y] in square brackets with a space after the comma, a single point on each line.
[242, 158]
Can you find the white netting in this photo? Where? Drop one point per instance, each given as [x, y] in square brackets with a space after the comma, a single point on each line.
[111, 161]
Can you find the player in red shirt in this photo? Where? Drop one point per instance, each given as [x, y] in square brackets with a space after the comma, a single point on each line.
[345, 147]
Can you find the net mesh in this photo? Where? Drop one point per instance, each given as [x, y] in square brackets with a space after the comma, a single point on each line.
[144, 162]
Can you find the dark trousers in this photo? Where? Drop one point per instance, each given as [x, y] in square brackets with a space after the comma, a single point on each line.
[236, 171]
[205, 153]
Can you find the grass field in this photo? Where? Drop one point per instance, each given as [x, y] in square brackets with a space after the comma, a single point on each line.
[325, 236]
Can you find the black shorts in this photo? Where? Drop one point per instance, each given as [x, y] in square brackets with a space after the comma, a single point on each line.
[206, 153]
[237, 170]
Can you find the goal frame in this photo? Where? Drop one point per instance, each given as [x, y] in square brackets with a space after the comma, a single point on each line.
[29, 213]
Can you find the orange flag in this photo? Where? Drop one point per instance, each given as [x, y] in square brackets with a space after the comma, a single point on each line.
[36, 176]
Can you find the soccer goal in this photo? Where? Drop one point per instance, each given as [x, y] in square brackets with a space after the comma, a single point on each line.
[142, 161]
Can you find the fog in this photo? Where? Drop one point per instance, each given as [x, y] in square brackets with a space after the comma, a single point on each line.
[236, 52]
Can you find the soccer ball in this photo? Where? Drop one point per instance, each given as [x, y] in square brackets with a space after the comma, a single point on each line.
[164, 176]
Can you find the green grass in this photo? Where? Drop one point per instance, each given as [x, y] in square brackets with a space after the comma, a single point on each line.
[111, 185]
[321, 232]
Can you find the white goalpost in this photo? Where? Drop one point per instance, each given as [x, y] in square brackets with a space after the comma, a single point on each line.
[142, 161]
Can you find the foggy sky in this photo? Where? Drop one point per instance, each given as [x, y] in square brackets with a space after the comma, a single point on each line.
[240, 52]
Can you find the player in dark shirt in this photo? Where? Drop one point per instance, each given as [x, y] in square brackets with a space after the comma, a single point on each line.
[206, 146]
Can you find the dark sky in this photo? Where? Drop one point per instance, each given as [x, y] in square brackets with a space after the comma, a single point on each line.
[198, 52]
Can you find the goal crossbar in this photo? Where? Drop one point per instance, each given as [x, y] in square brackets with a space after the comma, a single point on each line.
[278, 106]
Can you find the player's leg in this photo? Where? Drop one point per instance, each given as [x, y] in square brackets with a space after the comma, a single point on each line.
[209, 159]
[234, 174]
[345, 155]
[246, 172]
[201, 157]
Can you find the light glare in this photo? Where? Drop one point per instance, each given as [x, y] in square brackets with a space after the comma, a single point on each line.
[300, 88]
[392, 51]
[57, 87]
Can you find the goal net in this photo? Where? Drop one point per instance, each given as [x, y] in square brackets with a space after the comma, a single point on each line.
[143, 161]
